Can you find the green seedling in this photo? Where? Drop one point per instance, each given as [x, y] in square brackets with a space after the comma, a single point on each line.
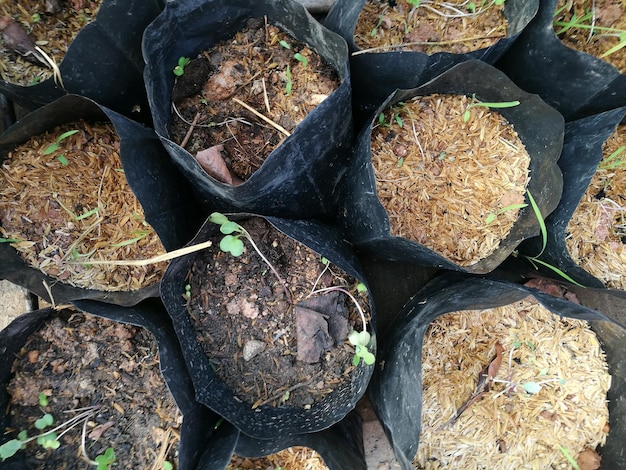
[300, 58]
[47, 439]
[56, 144]
[167, 466]
[359, 339]
[614, 161]
[472, 7]
[492, 215]
[179, 70]
[9, 240]
[35, 18]
[566, 453]
[105, 460]
[415, 3]
[43, 399]
[395, 117]
[289, 84]
[534, 260]
[232, 243]
[187, 294]
[374, 31]
[498, 105]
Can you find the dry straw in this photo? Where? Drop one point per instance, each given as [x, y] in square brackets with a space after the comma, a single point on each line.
[430, 27]
[52, 32]
[292, 458]
[446, 183]
[558, 360]
[72, 204]
[597, 230]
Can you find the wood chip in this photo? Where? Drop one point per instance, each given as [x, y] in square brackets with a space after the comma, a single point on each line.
[510, 427]
[442, 180]
[596, 233]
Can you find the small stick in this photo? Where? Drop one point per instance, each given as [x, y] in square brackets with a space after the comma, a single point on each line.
[265, 100]
[421, 43]
[190, 130]
[155, 259]
[276, 126]
[290, 389]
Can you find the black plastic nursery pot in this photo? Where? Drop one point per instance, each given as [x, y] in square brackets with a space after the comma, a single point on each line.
[340, 446]
[396, 389]
[582, 152]
[104, 62]
[261, 421]
[299, 178]
[540, 129]
[198, 423]
[575, 83]
[376, 75]
[168, 205]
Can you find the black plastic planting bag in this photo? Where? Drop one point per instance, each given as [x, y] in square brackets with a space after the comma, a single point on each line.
[376, 75]
[265, 422]
[340, 446]
[539, 127]
[299, 178]
[103, 62]
[168, 204]
[575, 83]
[396, 388]
[582, 151]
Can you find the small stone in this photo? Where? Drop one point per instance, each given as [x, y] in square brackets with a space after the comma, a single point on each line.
[252, 348]
[33, 356]
[400, 150]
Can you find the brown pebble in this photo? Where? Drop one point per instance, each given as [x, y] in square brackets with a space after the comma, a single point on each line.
[400, 150]
[33, 356]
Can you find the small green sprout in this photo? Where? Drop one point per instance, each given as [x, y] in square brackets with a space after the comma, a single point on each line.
[285, 44]
[35, 18]
[139, 235]
[492, 215]
[502, 104]
[56, 144]
[361, 340]
[415, 3]
[232, 243]
[45, 421]
[179, 70]
[361, 289]
[167, 466]
[187, 293]
[614, 161]
[300, 58]
[43, 399]
[105, 460]
[566, 453]
[289, 84]
[374, 31]
[9, 240]
[472, 6]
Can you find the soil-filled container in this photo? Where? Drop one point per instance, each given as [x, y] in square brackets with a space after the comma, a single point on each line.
[123, 375]
[576, 83]
[95, 47]
[419, 190]
[584, 242]
[434, 31]
[275, 322]
[78, 179]
[519, 366]
[210, 104]
[335, 448]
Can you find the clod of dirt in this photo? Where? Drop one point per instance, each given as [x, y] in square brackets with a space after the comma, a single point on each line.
[16, 39]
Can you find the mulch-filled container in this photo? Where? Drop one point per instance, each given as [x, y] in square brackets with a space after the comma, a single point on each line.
[574, 82]
[299, 177]
[158, 206]
[102, 62]
[584, 231]
[448, 164]
[377, 74]
[298, 296]
[73, 353]
[508, 353]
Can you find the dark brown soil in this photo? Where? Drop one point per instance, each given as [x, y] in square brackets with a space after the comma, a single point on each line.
[254, 68]
[79, 361]
[245, 306]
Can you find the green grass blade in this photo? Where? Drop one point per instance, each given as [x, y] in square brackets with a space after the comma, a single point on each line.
[569, 457]
[613, 49]
[555, 269]
[542, 224]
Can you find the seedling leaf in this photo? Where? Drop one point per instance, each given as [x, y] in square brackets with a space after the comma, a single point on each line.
[300, 58]
[218, 218]
[285, 44]
[43, 399]
[45, 421]
[49, 441]
[65, 135]
[229, 227]
[10, 448]
[105, 460]
[63, 160]
[232, 244]
[531, 387]
[51, 148]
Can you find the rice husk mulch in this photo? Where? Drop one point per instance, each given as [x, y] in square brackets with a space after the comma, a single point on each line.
[509, 427]
[592, 39]
[430, 27]
[596, 233]
[292, 458]
[74, 205]
[52, 32]
[442, 180]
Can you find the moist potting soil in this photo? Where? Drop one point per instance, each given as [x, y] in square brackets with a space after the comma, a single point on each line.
[237, 101]
[429, 27]
[451, 174]
[596, 232]
[511, 386]
[105, 370]
[595, 27]
[66, 200]
[276, 342]
[50, 26]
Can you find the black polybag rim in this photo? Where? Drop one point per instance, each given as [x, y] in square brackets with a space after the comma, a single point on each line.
[443, 295]
[265, 422]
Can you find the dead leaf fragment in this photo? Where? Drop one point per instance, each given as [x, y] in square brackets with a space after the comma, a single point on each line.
[311, 334]
[213, 163]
